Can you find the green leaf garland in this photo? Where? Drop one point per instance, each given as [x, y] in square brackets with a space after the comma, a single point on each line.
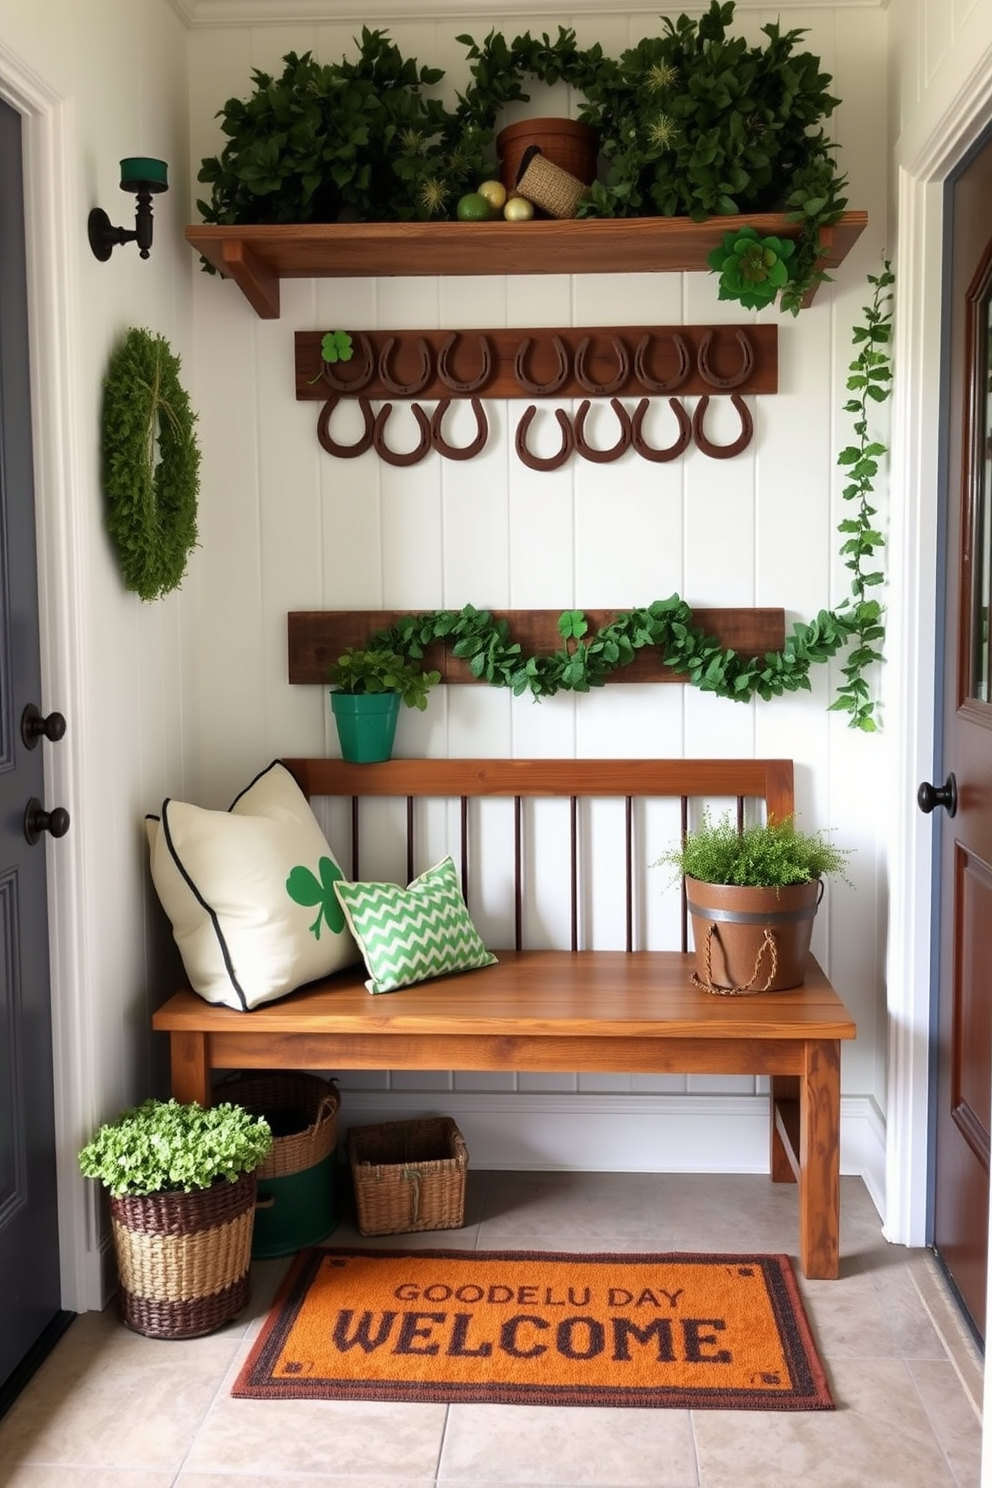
[584, 661]
[151, 464]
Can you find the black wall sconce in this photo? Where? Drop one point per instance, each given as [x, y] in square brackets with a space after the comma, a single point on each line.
[145, 177]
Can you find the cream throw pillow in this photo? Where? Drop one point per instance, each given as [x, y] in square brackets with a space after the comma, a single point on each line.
[250, 892]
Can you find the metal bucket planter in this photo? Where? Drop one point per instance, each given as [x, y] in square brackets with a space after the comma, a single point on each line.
[366, 724]
[751, 940]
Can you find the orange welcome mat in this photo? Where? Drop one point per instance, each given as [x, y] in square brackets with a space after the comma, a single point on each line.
[519, 1327]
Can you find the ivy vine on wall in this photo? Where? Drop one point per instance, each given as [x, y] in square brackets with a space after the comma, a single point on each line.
[584, 661]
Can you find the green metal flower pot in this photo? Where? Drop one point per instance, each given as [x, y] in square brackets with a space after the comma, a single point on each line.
[366, 724]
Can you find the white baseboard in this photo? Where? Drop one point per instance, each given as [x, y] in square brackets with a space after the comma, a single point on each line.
[627, 1134]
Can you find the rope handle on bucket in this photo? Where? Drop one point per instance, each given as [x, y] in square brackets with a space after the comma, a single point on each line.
[768, 942]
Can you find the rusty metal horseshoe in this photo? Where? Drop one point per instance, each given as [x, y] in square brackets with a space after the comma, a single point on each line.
[345, 451]
[725, 383]
[669, 452]
[541, 389]
[544, 462]
[602, 389]
[602, 457]
[405, 389]
[356, 383]
[392, 457]
[651, 384]
[722, 451]
[454, 383]
[448, 450]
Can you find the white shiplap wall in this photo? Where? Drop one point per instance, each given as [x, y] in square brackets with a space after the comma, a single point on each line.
[286, 527]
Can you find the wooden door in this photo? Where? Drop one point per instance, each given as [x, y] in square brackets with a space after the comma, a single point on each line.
[30, 1299]
[963, 1082]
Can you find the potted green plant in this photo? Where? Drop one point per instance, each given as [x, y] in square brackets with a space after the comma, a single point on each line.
[367, 687]
[181, 1180]
[752, 894]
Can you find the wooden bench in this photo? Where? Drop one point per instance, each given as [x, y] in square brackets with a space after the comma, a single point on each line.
[617, 1010]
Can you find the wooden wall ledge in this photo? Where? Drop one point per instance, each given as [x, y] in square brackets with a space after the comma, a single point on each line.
[317, 637]
[259, 257]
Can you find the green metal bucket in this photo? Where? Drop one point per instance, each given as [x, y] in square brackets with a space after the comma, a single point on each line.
[294, 1211]
[366, 724]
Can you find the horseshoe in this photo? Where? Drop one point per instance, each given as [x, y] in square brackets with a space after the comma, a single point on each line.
[451, 381]
[651, 384]
[345, 451]
[724, 451]
[747, 365]
[448, 450]
[671, 451]
[391, 457]
[405, 389]
[544, 462]
[603, 457]
[542, 389]
[602, 389]
[352, 384]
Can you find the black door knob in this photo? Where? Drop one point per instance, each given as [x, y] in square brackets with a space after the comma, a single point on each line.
[35, 726]
[38, 820]
[929, 796]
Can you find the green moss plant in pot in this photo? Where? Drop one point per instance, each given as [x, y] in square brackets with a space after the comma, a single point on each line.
[367, 687]
[181, 1181]
[752, 893]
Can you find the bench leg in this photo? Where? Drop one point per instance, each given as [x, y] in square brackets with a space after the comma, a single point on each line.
[190, 1071]
[819, 1161]
[783, 1128]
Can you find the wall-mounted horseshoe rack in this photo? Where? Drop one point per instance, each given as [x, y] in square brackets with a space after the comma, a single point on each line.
[608, 362]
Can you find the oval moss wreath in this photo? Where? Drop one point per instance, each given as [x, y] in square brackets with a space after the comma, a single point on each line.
[151, 464]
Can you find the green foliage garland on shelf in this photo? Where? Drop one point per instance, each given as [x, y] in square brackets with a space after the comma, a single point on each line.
[151, 464]
[693, 123]
[584, 661]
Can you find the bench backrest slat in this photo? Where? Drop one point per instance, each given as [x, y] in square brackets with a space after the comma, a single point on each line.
[770, 781]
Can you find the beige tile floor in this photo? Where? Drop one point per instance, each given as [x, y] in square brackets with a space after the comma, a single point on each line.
[110, 1409]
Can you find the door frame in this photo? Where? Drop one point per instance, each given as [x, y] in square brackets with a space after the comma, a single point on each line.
[54, 232]
[917, 562]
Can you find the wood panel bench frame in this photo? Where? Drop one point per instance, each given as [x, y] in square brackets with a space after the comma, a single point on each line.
[627, 1011]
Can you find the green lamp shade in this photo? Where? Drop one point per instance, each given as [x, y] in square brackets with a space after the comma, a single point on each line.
[139, 172]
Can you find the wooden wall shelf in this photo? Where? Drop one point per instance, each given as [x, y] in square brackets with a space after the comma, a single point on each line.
[257, 258]
[317, 637]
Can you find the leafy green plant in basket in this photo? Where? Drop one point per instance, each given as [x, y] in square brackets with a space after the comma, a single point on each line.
[761, 855]
[171, 1146]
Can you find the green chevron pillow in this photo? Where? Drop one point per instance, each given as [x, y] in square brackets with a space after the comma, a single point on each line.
[410, 935]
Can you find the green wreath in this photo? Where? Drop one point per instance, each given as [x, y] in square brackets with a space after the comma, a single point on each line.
[151, 465]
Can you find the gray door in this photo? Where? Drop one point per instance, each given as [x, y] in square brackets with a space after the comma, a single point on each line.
[30, 1312]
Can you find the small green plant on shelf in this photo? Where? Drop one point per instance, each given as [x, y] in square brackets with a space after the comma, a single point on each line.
[375, 669]
[171, 1146]
[761, 855]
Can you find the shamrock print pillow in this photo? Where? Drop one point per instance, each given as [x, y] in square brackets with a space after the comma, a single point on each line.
[250, 892]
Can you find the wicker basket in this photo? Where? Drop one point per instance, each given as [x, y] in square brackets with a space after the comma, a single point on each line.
[408, 1175]
[183, 1258]
[548, 186]
[302, 1111]
[296, 1182]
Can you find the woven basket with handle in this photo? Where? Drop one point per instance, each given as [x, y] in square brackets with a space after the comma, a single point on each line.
[408, 1175]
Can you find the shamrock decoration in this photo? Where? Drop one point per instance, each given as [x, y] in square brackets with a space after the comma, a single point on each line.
[336, 347]
[305, 888]
[751, 269]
